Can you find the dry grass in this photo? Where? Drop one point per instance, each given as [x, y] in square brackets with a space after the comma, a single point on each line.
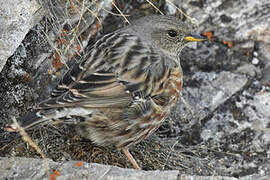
[28, 140]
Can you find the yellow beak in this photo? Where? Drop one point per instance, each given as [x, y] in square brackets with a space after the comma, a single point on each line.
[195, 37]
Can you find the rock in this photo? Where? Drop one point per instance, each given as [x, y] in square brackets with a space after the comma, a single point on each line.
[209, 91]
[190, 177]
[231, 20]
[266, 76]
[25, 168]
[16, 19]
[258, 111]
[250, 70]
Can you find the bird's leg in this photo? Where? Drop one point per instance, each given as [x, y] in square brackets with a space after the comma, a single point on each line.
[131, 159]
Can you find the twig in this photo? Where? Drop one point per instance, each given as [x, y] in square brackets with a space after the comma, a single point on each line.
[28, 140]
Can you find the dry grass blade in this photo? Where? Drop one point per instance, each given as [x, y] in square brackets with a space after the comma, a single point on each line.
[70, 21]
[95, 14]
[28, 140]
[188, 17]
[186, 104]
[120, 11]
[110, 12]
[169, 154]
[155, 7]
[76, 29]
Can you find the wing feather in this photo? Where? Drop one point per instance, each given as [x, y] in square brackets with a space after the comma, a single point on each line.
[117, 67]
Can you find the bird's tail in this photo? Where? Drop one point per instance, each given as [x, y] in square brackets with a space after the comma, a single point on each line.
[71, 115]
[29, 120]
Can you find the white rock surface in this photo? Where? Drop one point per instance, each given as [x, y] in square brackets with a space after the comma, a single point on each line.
[16, 19]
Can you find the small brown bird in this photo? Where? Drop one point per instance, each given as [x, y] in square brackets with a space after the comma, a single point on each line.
[124, 87]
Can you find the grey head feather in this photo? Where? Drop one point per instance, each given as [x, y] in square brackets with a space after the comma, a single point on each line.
[155, 30]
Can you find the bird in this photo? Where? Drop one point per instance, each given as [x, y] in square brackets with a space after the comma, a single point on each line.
[123, 87]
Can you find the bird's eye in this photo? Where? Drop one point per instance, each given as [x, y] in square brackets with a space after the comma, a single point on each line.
[172, 33]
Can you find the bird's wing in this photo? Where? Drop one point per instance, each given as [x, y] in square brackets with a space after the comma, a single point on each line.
[116, 68]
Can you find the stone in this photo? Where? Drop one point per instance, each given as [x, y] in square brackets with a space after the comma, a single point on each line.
[16, 19]
[266, 76]
[25, 168]
[210, 91]
[249, 69]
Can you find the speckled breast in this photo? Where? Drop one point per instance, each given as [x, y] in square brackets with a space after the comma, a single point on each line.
[161, 105]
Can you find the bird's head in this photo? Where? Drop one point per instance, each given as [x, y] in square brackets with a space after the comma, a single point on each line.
[168, 33]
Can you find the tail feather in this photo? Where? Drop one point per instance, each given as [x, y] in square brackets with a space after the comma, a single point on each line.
[26, 121]
[37, 117]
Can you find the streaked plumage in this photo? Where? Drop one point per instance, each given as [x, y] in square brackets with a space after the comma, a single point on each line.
[125, 85]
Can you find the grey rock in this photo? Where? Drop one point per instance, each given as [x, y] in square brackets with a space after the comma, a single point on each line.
[264, 50]
[266, 76]
[258, 111]
[189, 177]
[16, 19]
[30, 168]
[249, 69]
[211, 91]
[232, 20]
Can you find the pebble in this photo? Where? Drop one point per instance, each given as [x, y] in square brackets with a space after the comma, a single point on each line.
[255, 61]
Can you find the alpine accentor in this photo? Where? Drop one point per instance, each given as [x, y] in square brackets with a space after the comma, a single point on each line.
[125, 85]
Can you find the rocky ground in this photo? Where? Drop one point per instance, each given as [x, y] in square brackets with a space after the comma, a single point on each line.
[219, 128]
